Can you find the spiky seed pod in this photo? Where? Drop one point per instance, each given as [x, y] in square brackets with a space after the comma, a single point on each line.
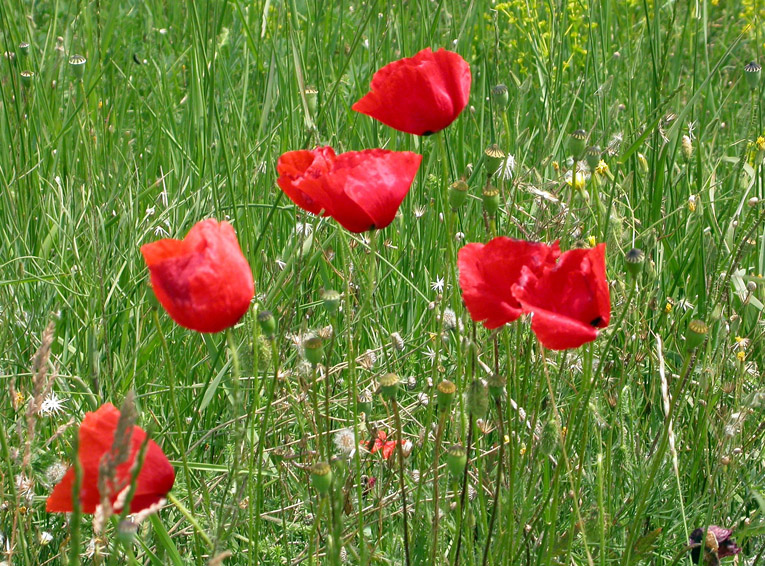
[267, 323]
[577, 143]
[490, 198]
[457, 194]
[77, 64]
[501, 96]
[389, 386]
[752, 72]
[493, 158]
[331, 300]
[694, 336]
[633, 260]
[497, 383]
[478, 398]
[592, 155]
[456, 460]
[445, 394]
[321, 477]
[313, 346]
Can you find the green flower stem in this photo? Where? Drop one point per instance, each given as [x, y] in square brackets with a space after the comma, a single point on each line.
[463, 493]
[498, 482]
[436, 500]
[76, 519]
[402, 483]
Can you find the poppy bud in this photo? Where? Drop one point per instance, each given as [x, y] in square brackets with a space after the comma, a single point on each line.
[752, 73]
[267, 323]
[331, 300]
[311, 99]
[497, 383]
[321, 477]
[457, 194]
[592, 155]
[77, 63]
[478, 398]
[389, 386]
[445, 394]
[633, 260]
[456, 460]
[27, 77]
[501, 96]
[577, 144]
[493, 158]
[314, 349]
[694, 336]
[23, 48]
[490, 199]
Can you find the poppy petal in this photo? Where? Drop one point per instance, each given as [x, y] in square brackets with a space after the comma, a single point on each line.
[419, 95]
[388, 449]
[487, 273]
[203, 281]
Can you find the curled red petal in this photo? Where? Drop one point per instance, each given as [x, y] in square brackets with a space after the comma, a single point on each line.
[487, 273]
[96, 438]
[419, 95]
[203, 281]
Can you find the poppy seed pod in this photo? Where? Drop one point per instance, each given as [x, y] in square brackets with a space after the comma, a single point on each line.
[694, 336]
[445, 394]
[592, 155]
[493, 158]
[77, 64]
[633, 260]
[126, 531]
[478, 398]
[311, 99]
[321, 477]
[331, 300]
[501, 96]
[24, 49]
[456, 460]
[267, 323]
[389, 386]
[497, 383]
[752, 72]
[364, 400]
[27, 78]
[577, 143]
[490, 198]
[313, 346]
[457, 194]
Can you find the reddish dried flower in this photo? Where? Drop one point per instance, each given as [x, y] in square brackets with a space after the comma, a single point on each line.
[487, 273]
[717, 544]
[203, 281]
[96, 439]
[419, 95]
[362, 190]
[570, 300]
[382, 443]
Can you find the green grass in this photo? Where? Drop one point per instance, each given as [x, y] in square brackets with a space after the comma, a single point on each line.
[181, 115]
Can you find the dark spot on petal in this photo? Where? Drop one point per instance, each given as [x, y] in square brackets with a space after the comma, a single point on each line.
[596, 321]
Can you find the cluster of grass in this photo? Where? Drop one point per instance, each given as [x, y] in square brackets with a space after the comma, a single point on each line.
[610, 454]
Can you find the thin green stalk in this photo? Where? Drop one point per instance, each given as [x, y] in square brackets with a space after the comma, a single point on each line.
[498, 481]
[463, 493]
[436, 500]
[402, 483]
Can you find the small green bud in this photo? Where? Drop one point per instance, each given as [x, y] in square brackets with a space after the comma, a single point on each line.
[331, 300]
[497, 383]
[478, 398]
[577, 144]
[752, 72]
[312, 99]
[457, 194]
[633, 260]
[313, 346]
[77, 64]
[694, 336]
[321, 477]
[267, 323]
[27, 78]
[456, 460]
[389, 386]
[501, 96]
[445, 394]
[592, 155]
[493, 158]
[490, 198]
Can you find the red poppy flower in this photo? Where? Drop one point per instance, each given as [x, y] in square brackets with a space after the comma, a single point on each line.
[419, 95]
[489, 271]
[382, 443]
[362, 190]
[97, 430]
[570, 300]
[203, 281]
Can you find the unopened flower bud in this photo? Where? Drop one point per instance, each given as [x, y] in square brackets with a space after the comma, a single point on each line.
[694, 336]
[313, 346]
[331, 300]
[267, 323]
[456, 460]
[457, 194]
